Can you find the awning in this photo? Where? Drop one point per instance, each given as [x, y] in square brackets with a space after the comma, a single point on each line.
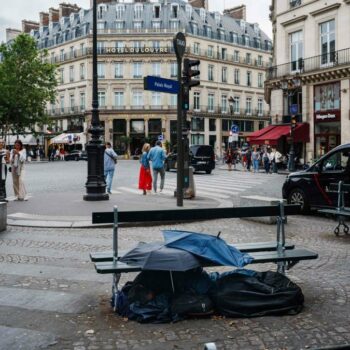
[258, 133]
[26, 139]
[66, 138]
[272, 136]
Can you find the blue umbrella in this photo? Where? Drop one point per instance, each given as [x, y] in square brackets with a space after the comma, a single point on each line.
[206, 246]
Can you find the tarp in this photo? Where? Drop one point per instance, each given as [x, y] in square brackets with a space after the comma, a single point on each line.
[68, 138]
[26, 139]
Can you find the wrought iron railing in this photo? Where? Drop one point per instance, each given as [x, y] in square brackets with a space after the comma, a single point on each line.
[311, 64]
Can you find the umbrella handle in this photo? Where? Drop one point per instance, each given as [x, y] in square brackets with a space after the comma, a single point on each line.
[218, 235]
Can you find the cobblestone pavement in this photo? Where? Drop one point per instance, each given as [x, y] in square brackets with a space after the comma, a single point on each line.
[51, 297]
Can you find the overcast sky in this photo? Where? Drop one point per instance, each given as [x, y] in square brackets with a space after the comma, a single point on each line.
[12, 14]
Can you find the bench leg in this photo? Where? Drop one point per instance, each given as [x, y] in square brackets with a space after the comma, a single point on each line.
[341, 222]
[116, 278]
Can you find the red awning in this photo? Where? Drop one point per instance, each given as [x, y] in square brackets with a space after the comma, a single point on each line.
[301, 134]
[258, 133]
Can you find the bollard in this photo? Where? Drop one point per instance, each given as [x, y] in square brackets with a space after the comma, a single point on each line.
[3, 216]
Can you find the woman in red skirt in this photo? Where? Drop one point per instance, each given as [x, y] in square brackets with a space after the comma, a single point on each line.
[145, 178]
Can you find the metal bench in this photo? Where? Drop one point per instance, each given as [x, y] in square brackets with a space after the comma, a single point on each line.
[278, 252]
[340, 212]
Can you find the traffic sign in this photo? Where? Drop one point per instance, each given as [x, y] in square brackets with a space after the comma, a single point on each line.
[161, 84]
[235, 129]
[293, 109]
[160, 137]
[179, 42]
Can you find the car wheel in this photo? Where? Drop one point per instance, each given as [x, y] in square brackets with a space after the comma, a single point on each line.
[208, 171]
[298, 196]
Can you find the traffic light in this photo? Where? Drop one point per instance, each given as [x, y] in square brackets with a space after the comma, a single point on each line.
[189, 73]
[293, 122]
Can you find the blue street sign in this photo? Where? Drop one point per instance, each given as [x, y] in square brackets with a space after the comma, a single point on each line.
[235, 129]
[160, 84]
[293, 109]
[160, 138]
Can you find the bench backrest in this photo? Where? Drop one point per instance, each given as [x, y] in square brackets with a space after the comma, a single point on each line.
[192, 214]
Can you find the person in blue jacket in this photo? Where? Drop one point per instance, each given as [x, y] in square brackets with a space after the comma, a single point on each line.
[157, 156]
[110, 160]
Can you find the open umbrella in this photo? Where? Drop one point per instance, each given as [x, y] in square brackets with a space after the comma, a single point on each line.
[155, 256]
[206, 246]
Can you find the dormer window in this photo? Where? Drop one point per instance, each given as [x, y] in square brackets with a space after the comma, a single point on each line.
[138, 9]
[156, 11]
[217, 18]
[71, 17]
[101, 9]
[62, 21]
[120, 10]
[256, 29]
[81, 14]
[203, 14]
[189, 11]
[50, 27]
[194, 28]
[41, 30]
[174, 11]
[242, 24]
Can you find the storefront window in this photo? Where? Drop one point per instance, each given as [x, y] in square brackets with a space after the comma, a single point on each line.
[137, 126]
[327, 97]
[119, 126]
[155, 126]
[197, 124]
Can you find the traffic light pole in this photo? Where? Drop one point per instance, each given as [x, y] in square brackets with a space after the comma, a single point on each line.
[291, 163]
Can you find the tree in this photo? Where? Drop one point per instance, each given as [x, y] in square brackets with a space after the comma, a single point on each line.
[27, 83]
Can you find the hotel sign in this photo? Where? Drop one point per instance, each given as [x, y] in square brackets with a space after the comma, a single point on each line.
[134, 50]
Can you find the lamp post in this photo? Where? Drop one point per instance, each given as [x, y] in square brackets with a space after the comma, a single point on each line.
[290, 88]
[231, 104]
[95, 184]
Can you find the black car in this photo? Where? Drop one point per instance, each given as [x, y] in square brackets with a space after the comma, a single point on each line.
[76, 155]
[202, 158]
[312, 188]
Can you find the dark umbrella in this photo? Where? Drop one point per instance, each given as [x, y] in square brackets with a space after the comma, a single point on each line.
[206, 246]
[155, 256]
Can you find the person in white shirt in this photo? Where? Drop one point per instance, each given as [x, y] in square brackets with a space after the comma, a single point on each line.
[5, 160]
[17, 159]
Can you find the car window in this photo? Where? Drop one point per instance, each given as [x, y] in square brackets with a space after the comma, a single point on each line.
[337, 162]
[202, 151]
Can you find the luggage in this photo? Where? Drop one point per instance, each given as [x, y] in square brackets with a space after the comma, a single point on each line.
[266, 293]
[190, 304]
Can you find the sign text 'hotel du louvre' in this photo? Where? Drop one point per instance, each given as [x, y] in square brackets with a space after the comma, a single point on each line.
[133, 50]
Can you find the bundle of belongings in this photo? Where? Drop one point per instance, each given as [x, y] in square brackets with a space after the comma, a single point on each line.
[173, 285]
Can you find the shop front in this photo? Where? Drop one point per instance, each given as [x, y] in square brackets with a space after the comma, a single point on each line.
[327, 118]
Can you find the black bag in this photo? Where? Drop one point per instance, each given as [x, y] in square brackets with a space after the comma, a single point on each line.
[190, 304]
[267, 293]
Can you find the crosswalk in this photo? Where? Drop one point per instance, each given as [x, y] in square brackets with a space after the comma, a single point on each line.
[220, 186]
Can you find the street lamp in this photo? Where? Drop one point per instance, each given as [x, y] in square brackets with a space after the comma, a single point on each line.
[290, 87]
[95, 185]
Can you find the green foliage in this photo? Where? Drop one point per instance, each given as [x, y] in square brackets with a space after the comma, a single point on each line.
[27, 83]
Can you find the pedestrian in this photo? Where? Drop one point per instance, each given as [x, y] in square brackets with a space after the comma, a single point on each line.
[255, 160]
[157, 156]
[249, 158]
[17, 158]
[61, 153]
[38, 155]
[277, 160]
[229, 159]
[145, 177]
[4, 161]
[53, 154]
[266, 161]
[110, 160]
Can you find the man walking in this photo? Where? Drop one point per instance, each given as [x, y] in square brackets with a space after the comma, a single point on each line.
[157, 156]
[110, 160]
[4, 160]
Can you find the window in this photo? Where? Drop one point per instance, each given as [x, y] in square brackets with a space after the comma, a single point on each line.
[210, 72]
[174, 11]
[246, 40]
[236, 56]
[101, 25]
[137, 98]
[174, 25]
[196, 101]
[260, 80]
[62, 55]
[156, 11]
[248, 106]
[118, 70]
[236, 105]
[173, 100]
[234, 38]
[224, 54]
[236, 76]
[294, 3]
[100, 47]
[194, 27]
[137, 70]
[224, 74]
[203, 14]
[296, 50]
[173, 69]
[136, 44]
[260, 60]
[189, 11]
[82, 71]
[102, 99]
[260, 107]
[138, 9]
[138, 25]
[327, 42]
[62, 103]
[119, 13]
[138, 126]
[212, 124]
[249, 78]
[155, 126]
[100, 70]
[71, 102]
[61, 75]
[156, 44]
[248, 58]
[156, 69]
[71, 74]
[71, 52]
[119, 25]
[119, 99]
[209, 32]
[156, 99]
[210, 51]
[119, 44]
[101, 9]
[196, 48]
[82, 101]
[155, 25]
[211, 98]
[327, 97]
[197, 124]
[223, 103]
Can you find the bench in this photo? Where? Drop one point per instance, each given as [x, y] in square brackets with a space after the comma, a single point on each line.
[340, 212]
[284, 255]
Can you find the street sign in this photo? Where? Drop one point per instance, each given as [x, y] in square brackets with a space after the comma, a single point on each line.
[179, 42]
[235, 129]
[161, 84]
[160, 138]
[293, 109]
[235, 137]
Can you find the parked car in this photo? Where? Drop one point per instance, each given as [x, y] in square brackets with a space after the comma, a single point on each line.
[202, 158]
[311, 188]
[76, 155]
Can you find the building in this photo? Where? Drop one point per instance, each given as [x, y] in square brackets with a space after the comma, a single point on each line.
[311, 70]
[135, 40]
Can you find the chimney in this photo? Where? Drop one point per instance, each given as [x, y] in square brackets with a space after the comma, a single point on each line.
[44, 19]
[238, 12]
[27, 26]
[199, 3]
[66, 9]
[54, 15]
[11, 34]
[101, 2]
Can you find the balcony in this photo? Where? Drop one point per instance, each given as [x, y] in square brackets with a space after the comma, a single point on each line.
[219, 111]
[66, 111]
[312, 64]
